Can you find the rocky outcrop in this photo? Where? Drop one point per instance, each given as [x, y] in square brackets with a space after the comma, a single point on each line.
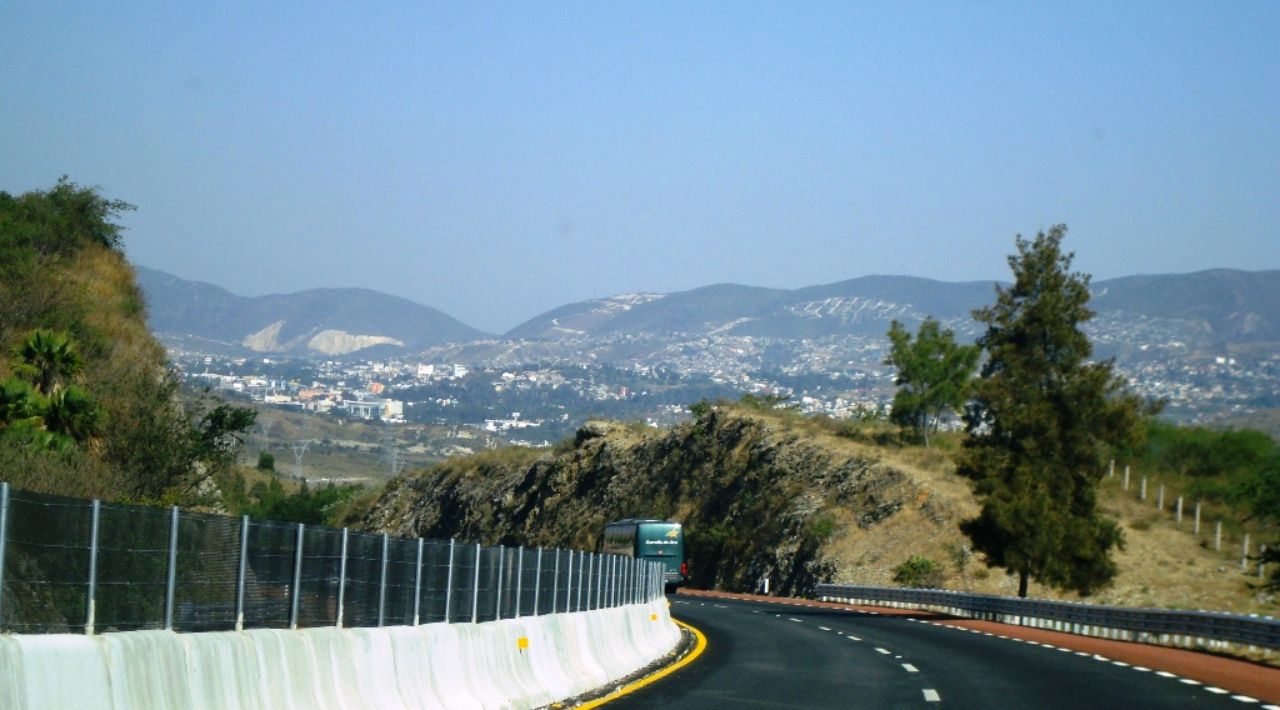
[758, 497]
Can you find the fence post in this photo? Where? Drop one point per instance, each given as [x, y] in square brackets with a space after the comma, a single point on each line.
[417, 585]
[342, 579]
[90, 610]
[556, 583]
[568, 584]
[1126, 477]
[1179, 514]
[537, 582]
[519, 577]
[475, 590]
[382, 582]
[1111, 469]
[242, 572]
[582, 561]
[1160, 499]
[448, 583]
[4, 529]
[295, 594]
[599, 581]
[1197, 530]
[1143, 494]
[497, 598]
[173, 568]
[1244, 553]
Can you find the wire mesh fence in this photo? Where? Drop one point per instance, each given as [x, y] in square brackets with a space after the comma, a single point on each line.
[76, 566]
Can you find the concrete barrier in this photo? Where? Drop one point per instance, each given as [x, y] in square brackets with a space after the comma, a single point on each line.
[514, 663]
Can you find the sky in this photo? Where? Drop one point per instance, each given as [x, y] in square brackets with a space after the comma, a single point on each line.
[497, 160]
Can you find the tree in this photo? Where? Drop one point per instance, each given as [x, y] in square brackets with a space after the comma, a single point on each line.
[47, 359]
[933, 375]
[918, 571]
[1040, 421]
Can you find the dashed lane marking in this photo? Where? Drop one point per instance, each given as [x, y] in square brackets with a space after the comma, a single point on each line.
[851, 637]
[1216, 691]
[1244, 699]
[1189, 681]
[931, 695]
[792, 618]
[885, 651]
[823, 628]
[910, 668]
[1165, 674]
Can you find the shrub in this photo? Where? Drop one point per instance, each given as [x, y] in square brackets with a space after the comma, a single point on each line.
[918, 571]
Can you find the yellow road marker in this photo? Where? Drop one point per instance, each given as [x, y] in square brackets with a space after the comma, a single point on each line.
[700, 645]
[522, 643]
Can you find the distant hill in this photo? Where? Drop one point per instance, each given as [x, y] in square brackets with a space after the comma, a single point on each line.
[1207, 310]
[323, 321]
[1213, 307]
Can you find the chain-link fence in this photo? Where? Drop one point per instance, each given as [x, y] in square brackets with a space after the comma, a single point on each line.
[75, 566]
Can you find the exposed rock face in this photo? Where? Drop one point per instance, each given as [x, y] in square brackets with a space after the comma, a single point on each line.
[757, 499]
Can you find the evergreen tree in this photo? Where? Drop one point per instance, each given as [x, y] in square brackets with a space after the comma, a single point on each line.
[933, 375]
[1040, 422]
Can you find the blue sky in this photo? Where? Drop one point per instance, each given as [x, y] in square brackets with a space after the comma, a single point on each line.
[496, 160]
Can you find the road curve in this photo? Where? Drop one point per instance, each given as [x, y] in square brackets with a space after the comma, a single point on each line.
[766, 655]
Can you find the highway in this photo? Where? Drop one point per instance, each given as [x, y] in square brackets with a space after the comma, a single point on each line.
[762, 655]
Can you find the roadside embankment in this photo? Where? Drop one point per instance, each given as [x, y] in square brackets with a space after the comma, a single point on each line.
[513, 663]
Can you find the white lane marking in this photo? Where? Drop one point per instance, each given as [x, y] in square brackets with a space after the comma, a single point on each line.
[851, 637]
[720, 606]
[931, 695]
[1165, 674]
[1064, 650]
[1271, 707]
[884, 651]
[1216, 691]
[1104, 659]
[1048, 645]
[823, 628]
[1244, 699]
[1141, 669]
[1122, 664]
[1189, 681]
[910, 668]
[792, 618]
[1082, 653]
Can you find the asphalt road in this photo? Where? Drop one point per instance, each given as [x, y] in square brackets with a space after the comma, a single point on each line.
[773, 656]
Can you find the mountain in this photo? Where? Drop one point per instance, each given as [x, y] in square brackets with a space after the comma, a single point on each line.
[1206, 310]
[319, 322]
[1213, 308]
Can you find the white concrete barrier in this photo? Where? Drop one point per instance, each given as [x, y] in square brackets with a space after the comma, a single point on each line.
[515, 663]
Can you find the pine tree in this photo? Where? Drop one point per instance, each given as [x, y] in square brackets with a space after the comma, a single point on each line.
[1041, 418]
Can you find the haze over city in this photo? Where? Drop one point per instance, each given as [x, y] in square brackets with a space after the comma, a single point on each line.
[498, 161]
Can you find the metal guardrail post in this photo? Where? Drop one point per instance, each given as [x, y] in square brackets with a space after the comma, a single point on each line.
[4, 538]
[537, 582]
[241, 571]
[382, 582]
[342, 580]
[295, 593]
[568, 584]
[448, 584]
[497, 598]
[173, 568]
[519, 577]
[581, 565]
[417, 584]
[475, 590]
[90, 606]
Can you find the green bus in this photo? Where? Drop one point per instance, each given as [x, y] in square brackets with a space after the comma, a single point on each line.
[653, 540]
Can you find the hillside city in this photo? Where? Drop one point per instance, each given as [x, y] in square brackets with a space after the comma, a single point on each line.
[537, 392]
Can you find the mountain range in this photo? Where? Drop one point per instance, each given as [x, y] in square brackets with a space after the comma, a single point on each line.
[1213, 309]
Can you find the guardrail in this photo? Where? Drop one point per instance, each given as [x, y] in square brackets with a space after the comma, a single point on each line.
[1166, 627]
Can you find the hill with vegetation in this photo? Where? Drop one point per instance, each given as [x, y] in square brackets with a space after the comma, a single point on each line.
[767, 493]
[87, 406]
